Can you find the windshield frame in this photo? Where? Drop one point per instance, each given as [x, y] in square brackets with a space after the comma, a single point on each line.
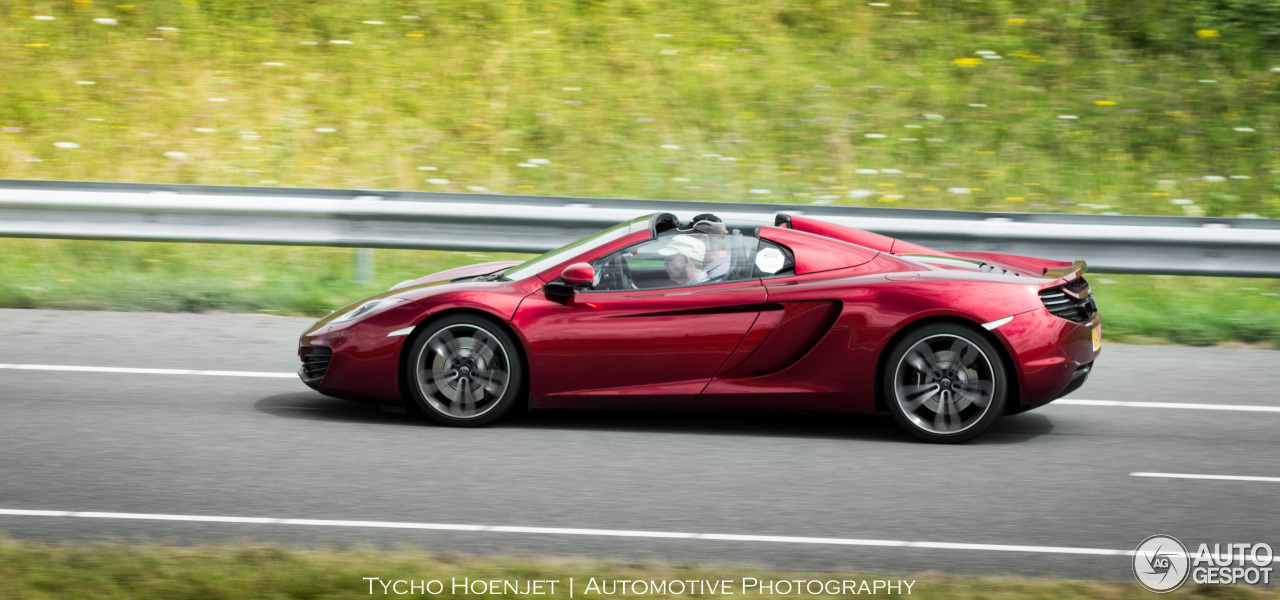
[538, 264]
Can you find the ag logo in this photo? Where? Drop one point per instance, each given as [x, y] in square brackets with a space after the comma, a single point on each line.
[1161, 563]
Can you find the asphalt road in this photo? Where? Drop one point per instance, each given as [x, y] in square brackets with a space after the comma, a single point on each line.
[270, 447]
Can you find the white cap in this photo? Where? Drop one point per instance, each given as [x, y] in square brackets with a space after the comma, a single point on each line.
[687, 245]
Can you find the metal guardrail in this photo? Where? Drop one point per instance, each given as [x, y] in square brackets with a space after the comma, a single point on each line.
[397, 219]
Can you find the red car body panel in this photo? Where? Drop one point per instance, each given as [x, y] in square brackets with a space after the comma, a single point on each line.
[656, 348]
[812, 340]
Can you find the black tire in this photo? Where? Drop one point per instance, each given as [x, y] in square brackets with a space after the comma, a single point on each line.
[464, 370]
[945, 383]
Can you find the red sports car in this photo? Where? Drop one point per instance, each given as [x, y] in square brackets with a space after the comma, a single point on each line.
[701, 314]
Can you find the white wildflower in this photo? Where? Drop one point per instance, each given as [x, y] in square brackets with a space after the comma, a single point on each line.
[325, 130]
[176, 155]
[105, 21]
[868, 172]
[874, 136]
[86, 83]
[861, 193]
[760, 191]
[205, 130]
[438, 181]
[1244, 129]
[539, 161]
[68, 145]
[958, 190]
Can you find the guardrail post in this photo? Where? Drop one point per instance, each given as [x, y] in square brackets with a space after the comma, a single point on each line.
[364, 266]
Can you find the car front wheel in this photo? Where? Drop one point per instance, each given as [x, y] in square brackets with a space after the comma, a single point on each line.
[945, 383]
[464, 370]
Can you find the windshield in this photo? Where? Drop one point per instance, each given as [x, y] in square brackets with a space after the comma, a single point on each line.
[542, 263]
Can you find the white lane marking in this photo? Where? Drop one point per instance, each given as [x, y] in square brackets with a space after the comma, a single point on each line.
[145, 371]
[723, 537]
[1195, 476]
[1187, 405]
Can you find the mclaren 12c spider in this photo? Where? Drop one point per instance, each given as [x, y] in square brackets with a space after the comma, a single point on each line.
[703, 314]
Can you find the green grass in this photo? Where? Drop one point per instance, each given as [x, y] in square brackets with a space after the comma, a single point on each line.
[661, 99]
[39, 571]
[145, 276]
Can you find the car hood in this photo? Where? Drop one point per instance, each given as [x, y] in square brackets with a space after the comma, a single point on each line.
[460, 272]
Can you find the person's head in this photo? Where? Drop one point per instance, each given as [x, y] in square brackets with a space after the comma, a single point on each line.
[684, 255]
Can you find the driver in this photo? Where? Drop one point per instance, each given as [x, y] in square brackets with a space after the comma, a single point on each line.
[685, 254]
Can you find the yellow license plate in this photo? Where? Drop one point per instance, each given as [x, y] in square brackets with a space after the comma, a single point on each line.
[1097, 338]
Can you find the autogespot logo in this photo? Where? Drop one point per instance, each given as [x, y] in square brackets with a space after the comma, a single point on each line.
[1161, 563]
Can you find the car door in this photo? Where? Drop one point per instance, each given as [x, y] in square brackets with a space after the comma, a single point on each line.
[634, 347]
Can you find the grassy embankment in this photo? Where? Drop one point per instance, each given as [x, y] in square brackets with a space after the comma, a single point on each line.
[1103, 106]
[39, 571]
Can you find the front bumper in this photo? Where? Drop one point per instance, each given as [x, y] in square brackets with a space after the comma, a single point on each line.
[356, 361]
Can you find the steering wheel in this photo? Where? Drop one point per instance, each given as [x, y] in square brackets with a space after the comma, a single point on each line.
[615, 274]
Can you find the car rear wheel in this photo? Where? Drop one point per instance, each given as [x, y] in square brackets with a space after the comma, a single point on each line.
[945, 383]
[464, 371]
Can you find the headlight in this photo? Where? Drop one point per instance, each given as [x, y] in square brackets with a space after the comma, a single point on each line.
[366, 308]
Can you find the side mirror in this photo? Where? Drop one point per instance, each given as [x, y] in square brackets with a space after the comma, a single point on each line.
[572, 279]
[578, 274]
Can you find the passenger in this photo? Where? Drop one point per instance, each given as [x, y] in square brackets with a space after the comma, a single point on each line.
[685, 255]
[716, 259]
